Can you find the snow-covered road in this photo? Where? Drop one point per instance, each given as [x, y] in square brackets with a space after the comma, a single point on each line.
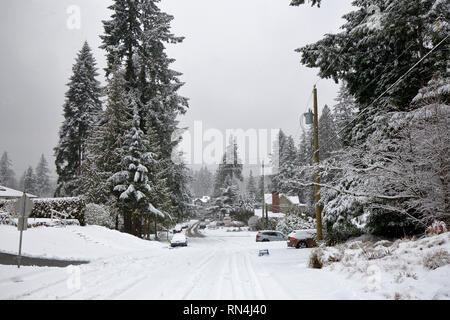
[222, 265]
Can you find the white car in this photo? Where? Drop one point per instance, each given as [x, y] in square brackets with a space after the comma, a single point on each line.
[179, 240]
[177, 228]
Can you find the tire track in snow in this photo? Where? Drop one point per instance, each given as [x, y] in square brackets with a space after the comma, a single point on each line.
[199, 274]
[259, 292]
[237, 281]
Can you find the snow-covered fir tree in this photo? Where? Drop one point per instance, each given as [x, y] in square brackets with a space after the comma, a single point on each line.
[231, 167]
[7, 175]
[373, 51]
[300, 2]
[251, 186]
[28, 181]
[371, 58]
[81, 110]
[104, 153]
[135, 38]
[227, 202]
[328, 139]
[203, 182]
[131, 184]
[43, 186]
[344, 112]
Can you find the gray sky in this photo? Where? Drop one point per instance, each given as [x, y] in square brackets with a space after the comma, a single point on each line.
[237, 60]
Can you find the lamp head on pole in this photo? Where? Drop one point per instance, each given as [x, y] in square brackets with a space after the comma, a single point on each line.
[309, 117]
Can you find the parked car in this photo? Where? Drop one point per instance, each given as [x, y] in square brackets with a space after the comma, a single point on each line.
[302, 238]
[184, 226]
[270, 235]
[179, 240]
[177, 229]
[202, 225]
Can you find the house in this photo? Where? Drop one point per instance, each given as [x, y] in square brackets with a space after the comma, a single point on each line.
[203, 201]
[11, 194]
[278, 202]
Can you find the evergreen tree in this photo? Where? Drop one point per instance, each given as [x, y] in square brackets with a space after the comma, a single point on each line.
[231, 167]
[300, 2]
[7, 175]
[227, 202]
[345, 111]
[202, 182]
[276, 159]
[81, 109]
[132, 182]
[370, 57]
[29, 181]
[42, 178]
[328, 139]
[251, 186]
[135, 37]
[104, 148]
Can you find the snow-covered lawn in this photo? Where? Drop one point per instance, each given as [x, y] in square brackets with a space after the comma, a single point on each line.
[222, 265]
[71, 242]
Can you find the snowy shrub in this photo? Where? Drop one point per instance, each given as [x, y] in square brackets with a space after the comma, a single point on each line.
[292, 222]
[270, 225]
[8, 206]
[253, 222]
[74, 207]
[437, 227]
[436, 259]
[99, 215]
[243, 215]
[324, 256]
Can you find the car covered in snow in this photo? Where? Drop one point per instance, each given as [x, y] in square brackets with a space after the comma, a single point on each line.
[179, 240]
[304, 238]
[270, 235]
[177, 229]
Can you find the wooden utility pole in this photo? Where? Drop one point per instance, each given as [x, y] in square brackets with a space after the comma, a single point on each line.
[316, 172]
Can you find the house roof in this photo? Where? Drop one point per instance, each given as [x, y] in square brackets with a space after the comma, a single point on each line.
[12, 194]
[203, 199]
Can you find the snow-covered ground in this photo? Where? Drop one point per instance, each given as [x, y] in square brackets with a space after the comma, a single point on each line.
[71, 242]
[222, 265]
[404, 269]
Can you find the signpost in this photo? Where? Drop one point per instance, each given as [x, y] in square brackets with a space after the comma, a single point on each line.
[23, 207]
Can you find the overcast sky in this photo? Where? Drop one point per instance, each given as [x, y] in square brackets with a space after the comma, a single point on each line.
[237, 60]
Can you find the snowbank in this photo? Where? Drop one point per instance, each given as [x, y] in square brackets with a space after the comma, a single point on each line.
[404, 269]
[72, 242]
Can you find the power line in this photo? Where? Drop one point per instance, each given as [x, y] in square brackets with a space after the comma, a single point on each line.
[386, 91]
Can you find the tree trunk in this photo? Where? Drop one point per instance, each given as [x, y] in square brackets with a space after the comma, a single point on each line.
[127, 222]
[149, 227]
[156, 233]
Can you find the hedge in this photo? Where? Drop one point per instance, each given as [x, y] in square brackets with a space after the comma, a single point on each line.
[74, 206]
